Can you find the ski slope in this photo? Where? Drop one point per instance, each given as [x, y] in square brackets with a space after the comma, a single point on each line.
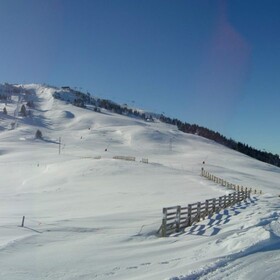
[89, 216]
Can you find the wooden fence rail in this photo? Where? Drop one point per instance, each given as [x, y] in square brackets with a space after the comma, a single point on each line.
[177, 218]
[226, 184]
[128, 158]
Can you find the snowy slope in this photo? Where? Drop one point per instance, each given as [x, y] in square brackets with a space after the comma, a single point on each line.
[89, 216]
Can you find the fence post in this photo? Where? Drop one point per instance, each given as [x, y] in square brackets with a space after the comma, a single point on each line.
[163, 226]
[234, 198]
[178, 218]
[230, 199]
[206, 208]
[22, 222]
[220, 203]
[214, 205]
[225, 201]
[239, 198]
[189, 215]
[198, 211]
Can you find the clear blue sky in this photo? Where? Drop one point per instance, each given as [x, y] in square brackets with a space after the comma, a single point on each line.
[214, 63]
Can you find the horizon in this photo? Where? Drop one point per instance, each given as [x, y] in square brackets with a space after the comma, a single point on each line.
[208, 63]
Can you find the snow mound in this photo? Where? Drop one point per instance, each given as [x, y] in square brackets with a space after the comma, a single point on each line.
[275, 227]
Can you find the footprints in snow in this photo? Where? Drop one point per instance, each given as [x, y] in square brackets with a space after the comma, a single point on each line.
[144, 265]
[136, 267]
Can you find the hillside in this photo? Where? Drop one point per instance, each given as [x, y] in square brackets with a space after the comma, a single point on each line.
[90, 216]
[83, 100]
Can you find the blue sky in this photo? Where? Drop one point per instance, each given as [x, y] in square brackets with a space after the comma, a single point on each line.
[214, 63]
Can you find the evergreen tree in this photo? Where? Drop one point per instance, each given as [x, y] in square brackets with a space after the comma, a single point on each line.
[38, 134]
[23, 111]
[5, 111]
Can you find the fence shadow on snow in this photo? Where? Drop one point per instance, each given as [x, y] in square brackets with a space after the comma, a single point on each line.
[212, 227]
[175, 219]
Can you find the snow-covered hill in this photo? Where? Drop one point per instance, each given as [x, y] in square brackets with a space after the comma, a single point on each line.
[89, 216]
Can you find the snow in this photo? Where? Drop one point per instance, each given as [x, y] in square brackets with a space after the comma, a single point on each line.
[89, 216]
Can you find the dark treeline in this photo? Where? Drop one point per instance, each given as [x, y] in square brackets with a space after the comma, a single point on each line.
[82, 99]
[230, 143]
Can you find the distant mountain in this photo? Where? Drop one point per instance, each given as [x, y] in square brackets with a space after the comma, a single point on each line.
[25, 103]
[80, 99]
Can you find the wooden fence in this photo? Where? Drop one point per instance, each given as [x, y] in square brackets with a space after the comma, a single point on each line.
[177, 218]
[145, 160]
[226, 184]
[125, 158]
